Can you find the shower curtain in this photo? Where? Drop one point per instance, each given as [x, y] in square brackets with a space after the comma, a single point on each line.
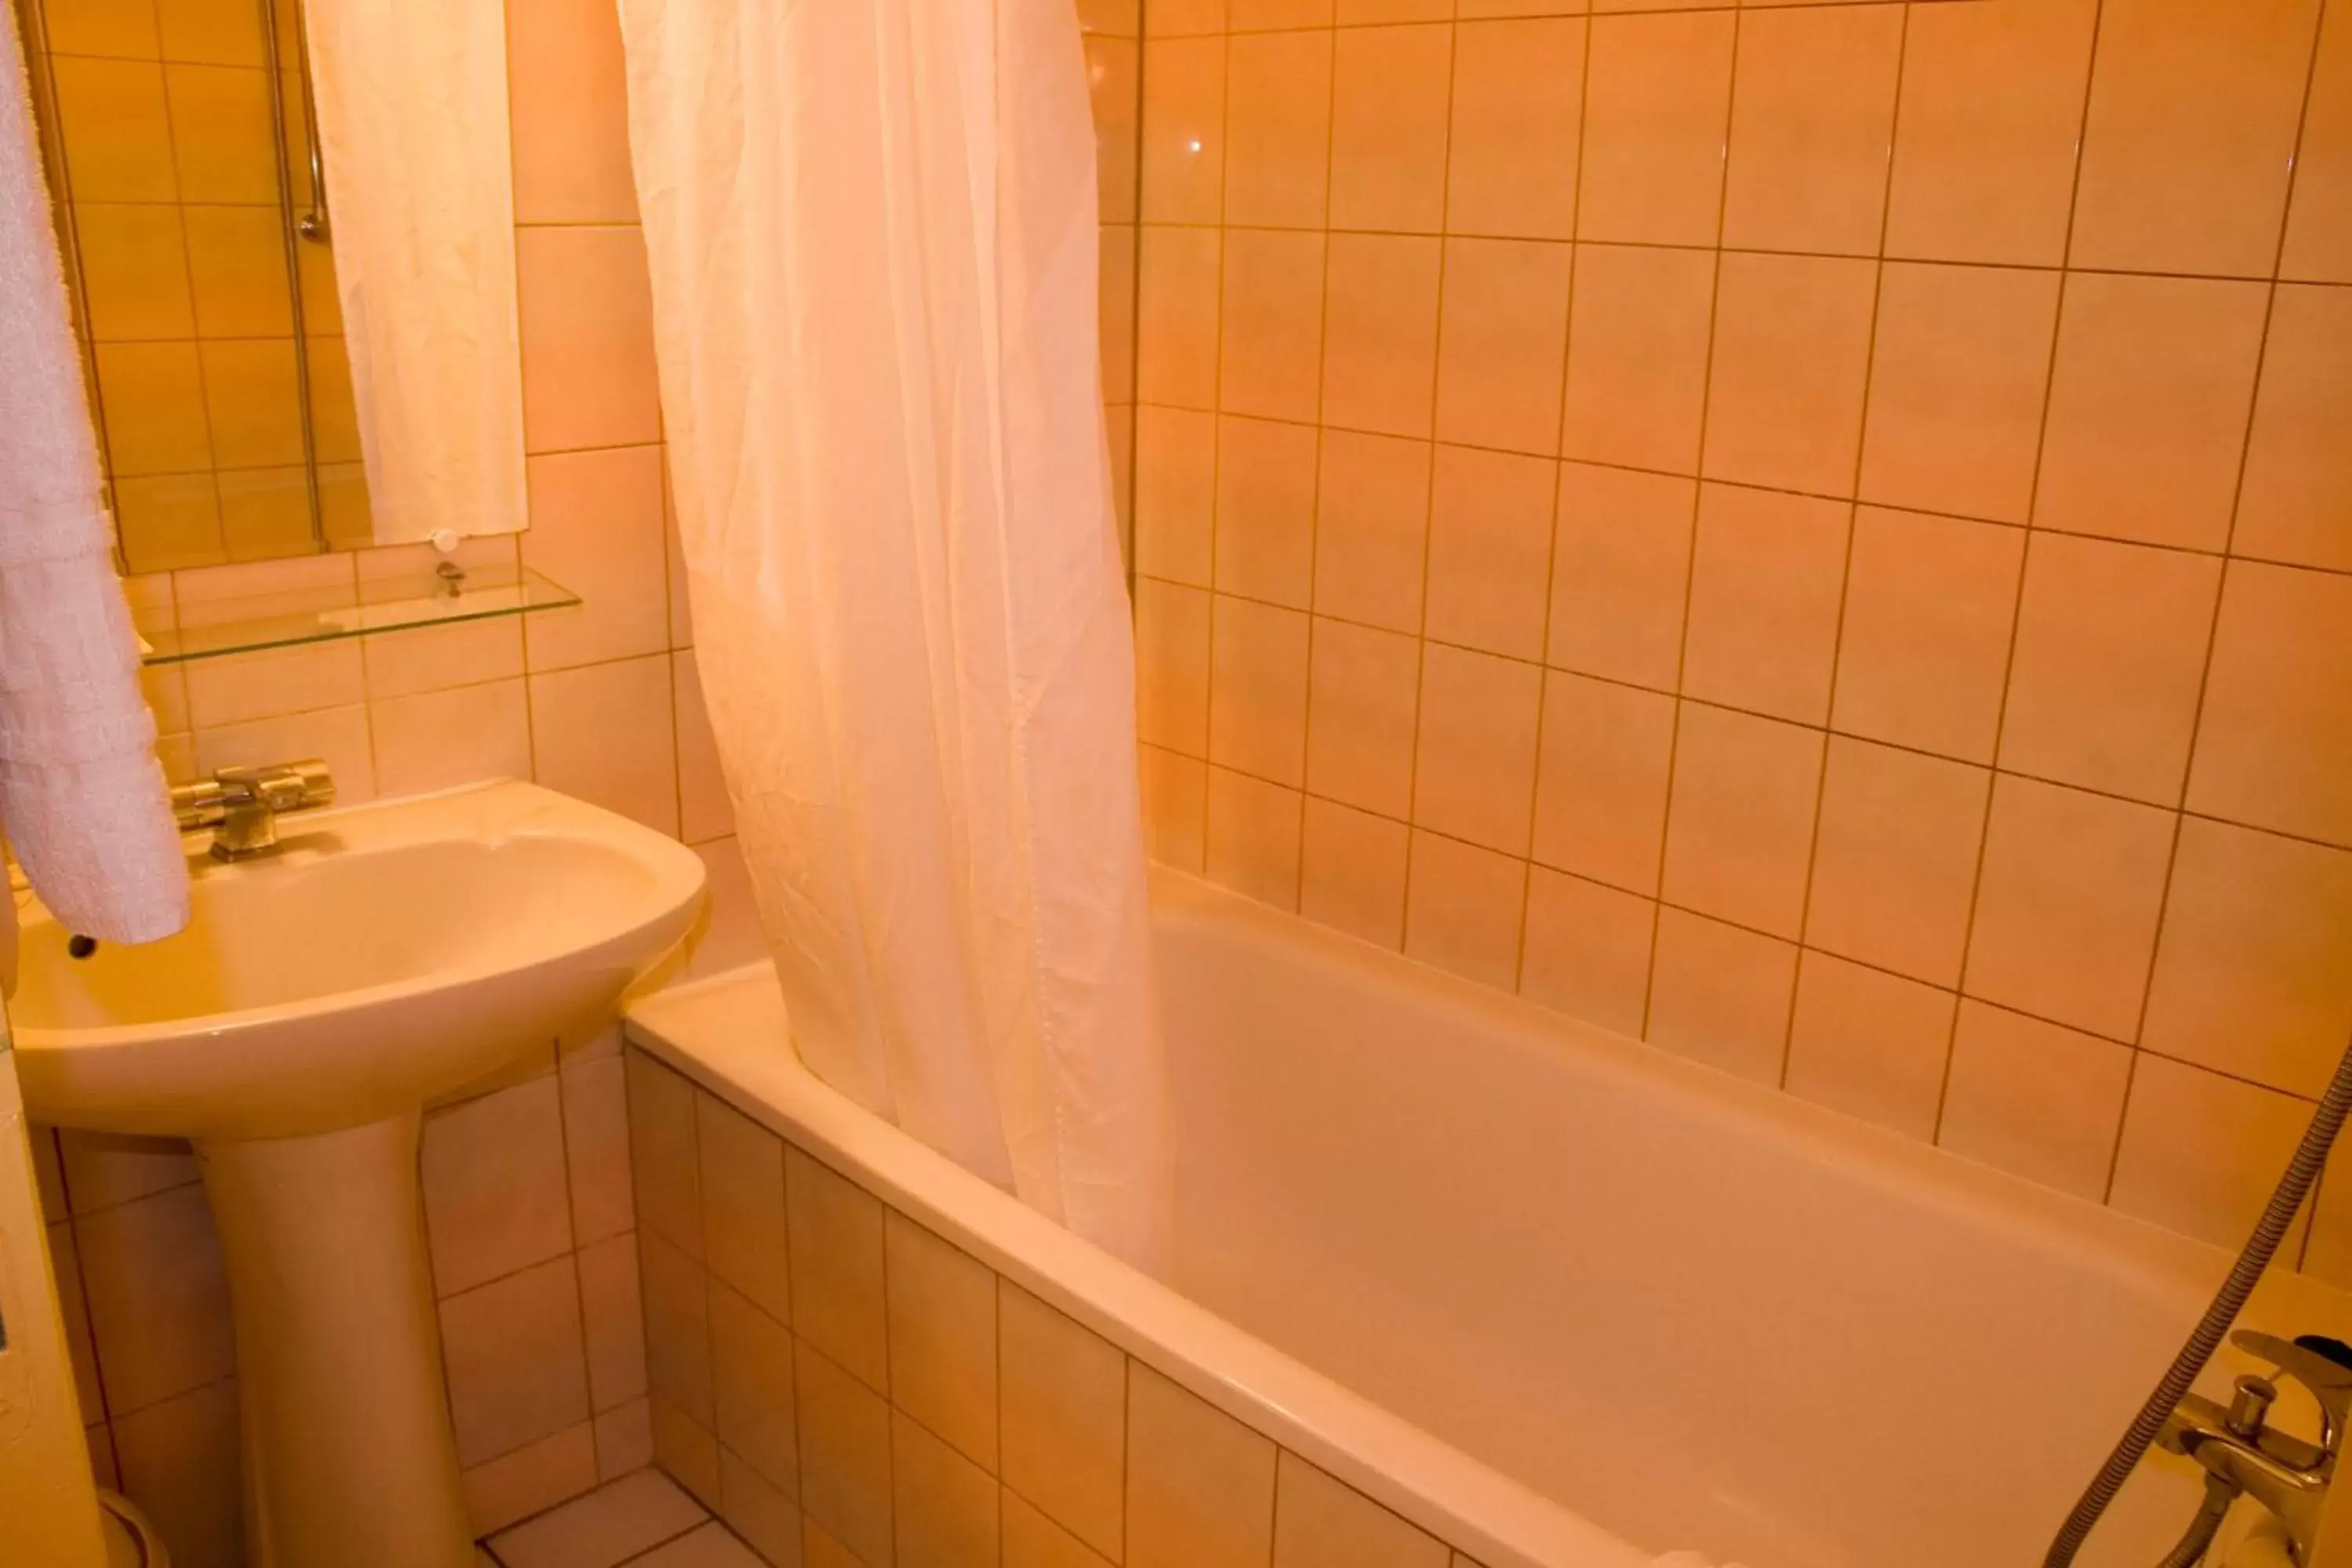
[413, 136]
[872, 232]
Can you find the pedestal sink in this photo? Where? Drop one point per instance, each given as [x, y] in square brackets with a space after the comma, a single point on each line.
[382, 958]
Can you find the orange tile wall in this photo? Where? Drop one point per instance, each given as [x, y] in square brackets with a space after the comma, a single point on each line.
[1817, 535]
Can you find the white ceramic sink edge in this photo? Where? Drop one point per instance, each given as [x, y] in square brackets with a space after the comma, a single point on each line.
[385, 955]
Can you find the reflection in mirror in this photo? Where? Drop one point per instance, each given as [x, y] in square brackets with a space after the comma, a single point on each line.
[203, 249]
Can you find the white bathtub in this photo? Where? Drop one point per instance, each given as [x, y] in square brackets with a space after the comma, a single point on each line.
[1557, 1298]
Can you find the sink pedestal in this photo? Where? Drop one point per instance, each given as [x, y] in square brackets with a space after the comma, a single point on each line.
[350, 1461]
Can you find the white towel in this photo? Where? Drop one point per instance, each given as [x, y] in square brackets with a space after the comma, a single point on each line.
[80, 791]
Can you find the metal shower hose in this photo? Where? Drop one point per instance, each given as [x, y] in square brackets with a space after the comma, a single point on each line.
[2294, 1186]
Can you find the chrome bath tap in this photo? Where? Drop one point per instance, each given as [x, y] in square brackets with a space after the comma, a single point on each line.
[2241, 1452]
[242, 806]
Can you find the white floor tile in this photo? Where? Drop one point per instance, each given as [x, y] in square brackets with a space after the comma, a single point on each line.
[709, 1547]
[612, 1525]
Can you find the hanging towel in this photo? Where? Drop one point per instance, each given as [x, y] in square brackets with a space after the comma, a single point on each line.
[81, 793]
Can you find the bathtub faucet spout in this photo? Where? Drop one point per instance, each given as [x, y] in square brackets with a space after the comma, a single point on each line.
[2242, 1452]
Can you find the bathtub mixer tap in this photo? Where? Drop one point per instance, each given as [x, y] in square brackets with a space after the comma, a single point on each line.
[2242, 1452]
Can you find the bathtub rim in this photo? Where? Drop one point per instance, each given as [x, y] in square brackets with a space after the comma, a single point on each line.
[720, 1032]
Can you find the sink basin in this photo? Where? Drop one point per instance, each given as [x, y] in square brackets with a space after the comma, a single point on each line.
[383, 957]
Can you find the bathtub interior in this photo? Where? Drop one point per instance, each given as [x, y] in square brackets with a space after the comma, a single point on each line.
[1694, 1313]
[1697, 1312]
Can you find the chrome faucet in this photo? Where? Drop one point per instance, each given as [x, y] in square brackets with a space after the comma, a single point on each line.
[242, 806]
[2243, 1453]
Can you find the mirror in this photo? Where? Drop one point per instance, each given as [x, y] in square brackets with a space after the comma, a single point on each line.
[200, 242]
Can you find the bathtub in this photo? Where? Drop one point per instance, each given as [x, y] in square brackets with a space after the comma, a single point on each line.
[1560, 1300]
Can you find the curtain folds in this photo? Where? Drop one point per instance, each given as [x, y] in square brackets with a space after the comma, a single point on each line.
[872, 236]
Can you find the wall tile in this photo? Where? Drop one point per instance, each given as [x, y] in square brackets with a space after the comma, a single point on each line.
[1475, 759]
[1272, 344]
[705, 810]
[1175, 493]
[1033, 1541]
[1956, 382]
[116, 129]
[1176, 316]
[1720, 996]
[1183, 149]
[517, 1361]
[1985, 140]
[2110, 655]
[2147, 409]
[1895, 860]
[1587, 951]
[1266, 510]
[1362, 703]
[676, 1299]
[2190, 142]
[942, 1324]
[1767, 575]
[845, 1443]
[1600, 786]
[120, 29]
[596, 528]
[1352, 872]
[1320, 1523]
[2200, 1152]
[587, 726]
[1463, 909]
[1065, 1421]
[1278, 129]
[1371, 529]
[221, 134]
[1490, 538]
[1175, 803]
[151, 396]
[1517, 113]
[495, 1195]
[103, 1169]
[2274, 744]
[1257, 691]
[945, 1506]
[1620, 574]
[1113, 66]
[567, 88]
[1924, 649]
[612, 1314]
[586, 313]
[1791, 351]
[664, 1165]
[837, 1269]
[158, 1297]
[436, 740]
[751, 1384]
[596, 1147]
[1390, 92]
[1503, 338]
[686, 1450]
[1252, 837]
[2037, 1101]
[1200, 1485]
[134, 271]
[1657, 111]
[2292, 507]
[533, 1479]
[1812, 115]
[2249, 972]
[1172, 656]
[1379, 347]
[179, 1460]
[1640, 324]
[2067, 905]
[761, 1517]
[1740, 827]
[2319, 216]
[742, 1186]
[1870, 1044]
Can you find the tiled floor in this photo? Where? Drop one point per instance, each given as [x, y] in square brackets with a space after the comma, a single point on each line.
[642, 1520]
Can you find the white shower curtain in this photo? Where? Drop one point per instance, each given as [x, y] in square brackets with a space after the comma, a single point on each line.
[413, 132]
[872, 231]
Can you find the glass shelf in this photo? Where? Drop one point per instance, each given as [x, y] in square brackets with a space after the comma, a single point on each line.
[387, 605]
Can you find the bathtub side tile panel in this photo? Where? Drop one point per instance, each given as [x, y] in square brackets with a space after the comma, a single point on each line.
[2036, 342]
[1012, 1435]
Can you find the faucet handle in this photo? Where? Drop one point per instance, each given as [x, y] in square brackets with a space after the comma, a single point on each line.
[282, 786]
[2324, 1367]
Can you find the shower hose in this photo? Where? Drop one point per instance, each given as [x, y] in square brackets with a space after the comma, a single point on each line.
[2294, 1186]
